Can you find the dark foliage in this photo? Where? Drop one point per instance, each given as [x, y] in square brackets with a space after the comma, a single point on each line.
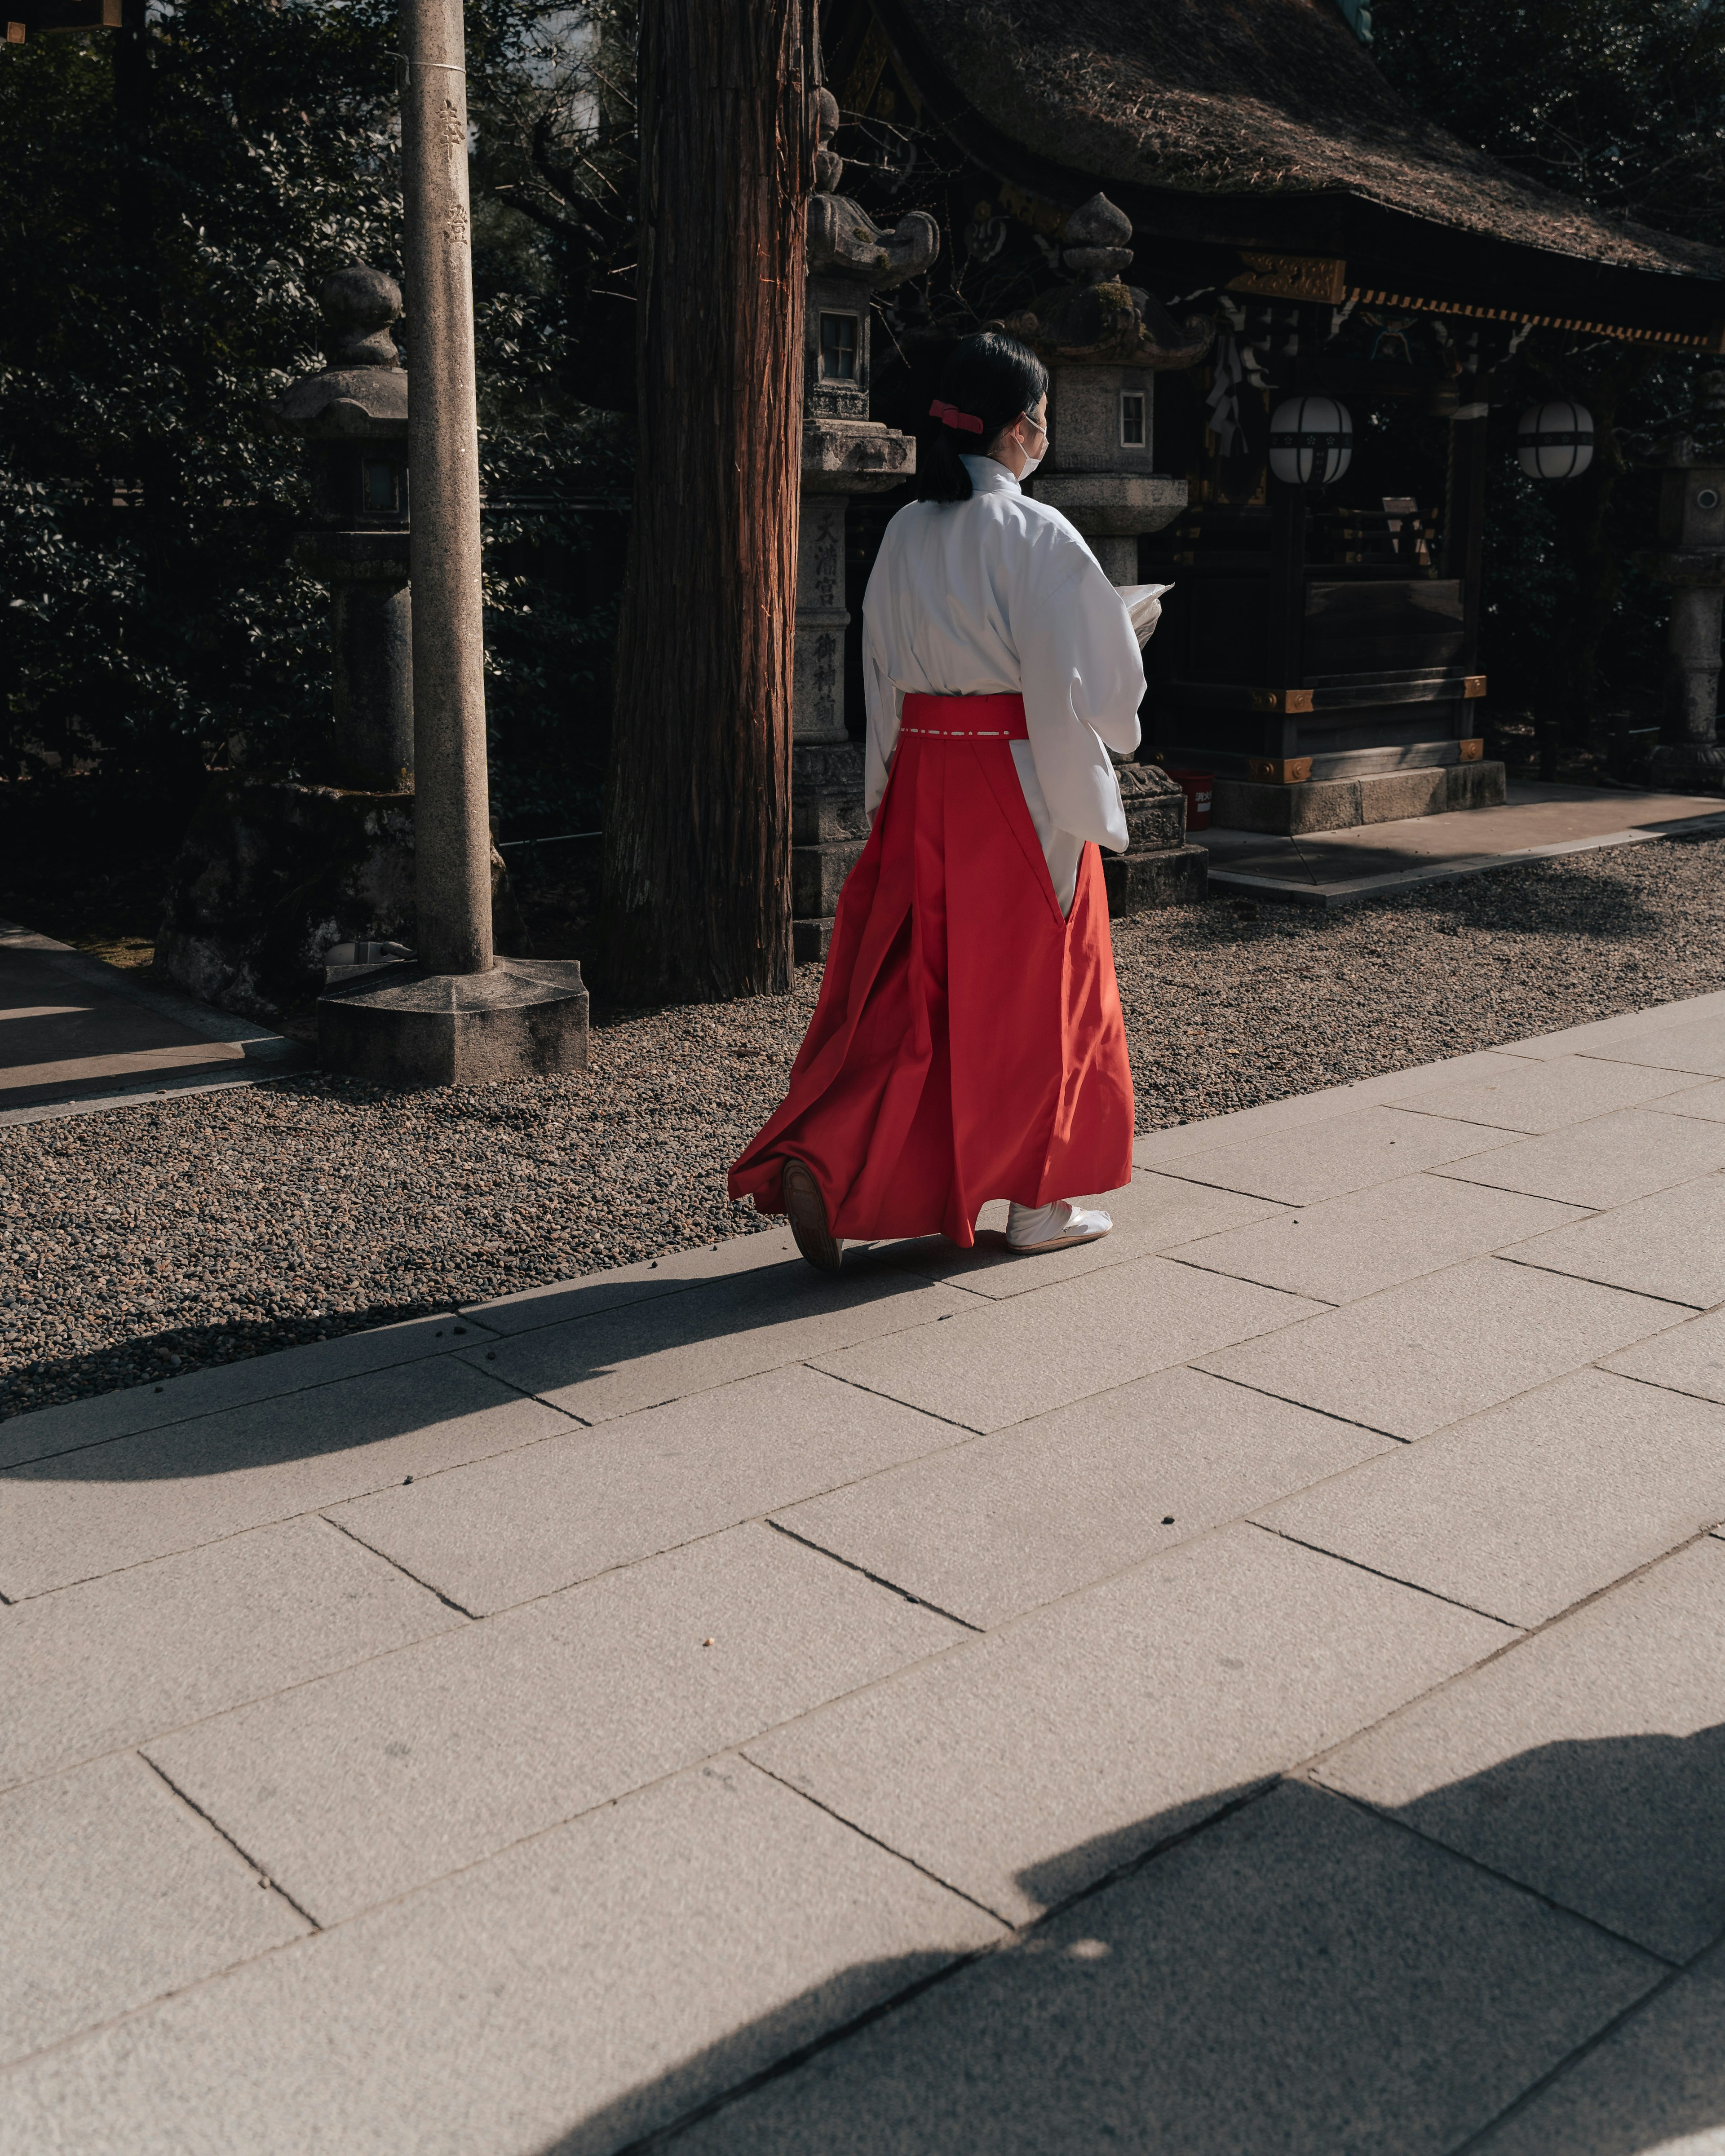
[174, 198]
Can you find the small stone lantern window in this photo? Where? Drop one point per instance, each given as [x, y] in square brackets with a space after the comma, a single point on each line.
[382, 488]
[838, 347]
[1131, 419]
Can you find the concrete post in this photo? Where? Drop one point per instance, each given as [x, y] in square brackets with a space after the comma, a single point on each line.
[451, 815]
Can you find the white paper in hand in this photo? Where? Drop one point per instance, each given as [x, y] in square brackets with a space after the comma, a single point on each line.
[1144, 604]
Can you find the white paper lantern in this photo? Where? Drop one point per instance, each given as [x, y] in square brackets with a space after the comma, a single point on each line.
[1311, 441]
[1555, 441]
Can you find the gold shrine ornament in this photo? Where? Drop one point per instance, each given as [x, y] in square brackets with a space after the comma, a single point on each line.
[1320, 278]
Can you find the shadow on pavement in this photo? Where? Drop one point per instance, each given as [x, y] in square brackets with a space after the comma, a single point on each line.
[1300, 1974]
[591, 1329]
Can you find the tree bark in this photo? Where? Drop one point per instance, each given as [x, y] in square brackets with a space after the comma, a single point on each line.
[697, 899]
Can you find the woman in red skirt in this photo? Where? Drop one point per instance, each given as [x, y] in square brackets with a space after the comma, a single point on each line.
[967, 1043]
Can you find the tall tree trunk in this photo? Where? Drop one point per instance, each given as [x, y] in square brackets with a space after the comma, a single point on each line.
[697, 901]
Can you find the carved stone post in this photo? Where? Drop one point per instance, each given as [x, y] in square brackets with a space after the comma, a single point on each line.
[844, 453]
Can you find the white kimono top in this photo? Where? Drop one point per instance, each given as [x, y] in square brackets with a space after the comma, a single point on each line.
[1001, 593]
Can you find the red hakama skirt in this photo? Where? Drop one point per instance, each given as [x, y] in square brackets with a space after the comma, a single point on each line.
[967, 1043]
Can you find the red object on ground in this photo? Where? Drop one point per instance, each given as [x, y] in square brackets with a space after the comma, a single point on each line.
[967, 1043]
[1198, 786]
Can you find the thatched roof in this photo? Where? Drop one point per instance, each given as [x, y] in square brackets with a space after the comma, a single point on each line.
[1265, 124]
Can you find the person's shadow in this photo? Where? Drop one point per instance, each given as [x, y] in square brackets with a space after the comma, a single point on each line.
[1516, 1963]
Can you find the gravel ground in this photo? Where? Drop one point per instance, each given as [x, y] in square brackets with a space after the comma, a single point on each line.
[171, 1236]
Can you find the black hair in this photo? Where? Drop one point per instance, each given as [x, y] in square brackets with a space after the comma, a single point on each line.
[992, 377]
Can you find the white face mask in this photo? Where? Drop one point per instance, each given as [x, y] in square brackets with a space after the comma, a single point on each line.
[1030, 462]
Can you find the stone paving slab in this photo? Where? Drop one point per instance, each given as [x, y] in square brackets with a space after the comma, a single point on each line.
[378, 1780]
[1627, 1025]
[1654, 2085]
[996, 1525]
[1545, 1097]
[528, 1522]
[1522, 1511]
[1672, 1245]
[1698, 1046]
[1347, 1151]
[643, 1354]
[1707, 1101]
[1027, 1764]
[81, 1514]
[77, 1033]
[1539, 820]
[1300, 1978]
[1352, 1246]
[617, 1970]
[142, 1652]
[537, 1943]
[1608, 1162]
[535, 1307]
[1156, 1213]
[115, 1894]
[1155, 1149]
[1413, 1358]
[1003, 1362]
[1688, 1358]
[1589, 1764]
[78, 1423]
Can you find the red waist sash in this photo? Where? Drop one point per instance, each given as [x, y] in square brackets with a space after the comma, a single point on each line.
[999, 716]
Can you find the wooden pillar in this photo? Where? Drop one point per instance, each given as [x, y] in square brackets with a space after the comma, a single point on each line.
[1465, 513]
[1284, 618]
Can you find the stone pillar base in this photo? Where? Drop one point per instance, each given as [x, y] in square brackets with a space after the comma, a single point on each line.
[1688, 767]
[811, 940]
[829, 829]
[1173, 876]
[404, 1027]
[1336, 804]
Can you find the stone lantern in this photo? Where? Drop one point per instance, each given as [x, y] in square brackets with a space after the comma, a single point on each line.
[1104, 341]
[278, 871]
[354, 413]
[844, 453]
[1691, 558]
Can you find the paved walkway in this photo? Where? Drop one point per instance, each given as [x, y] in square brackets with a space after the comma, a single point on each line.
[1538, 822]
[74, 1031]
[1258, 1684]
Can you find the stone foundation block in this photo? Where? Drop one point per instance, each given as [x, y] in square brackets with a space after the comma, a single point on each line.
[1337, 805]
[1155, 809]
[1476, 786]
[1389, 796]
[1138, 883]
[810, 941]
[827, 794]
[818, 875]
[404, 1027]
[274, 872]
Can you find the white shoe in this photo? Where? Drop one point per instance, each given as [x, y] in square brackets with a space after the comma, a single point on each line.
[1033, 1229]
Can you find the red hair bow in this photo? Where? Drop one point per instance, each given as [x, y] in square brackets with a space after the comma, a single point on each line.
[949, 415]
